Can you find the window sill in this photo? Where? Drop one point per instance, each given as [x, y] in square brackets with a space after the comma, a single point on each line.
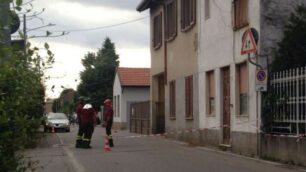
[157, 46]
[171, 38]
[172, 118]
[187, 28]
[242, 116]
[189, 118]
[236, 28]
[211, 115]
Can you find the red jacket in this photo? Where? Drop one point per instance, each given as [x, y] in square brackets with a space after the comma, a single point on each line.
[78, 111]
[88, 114]
[108, 113]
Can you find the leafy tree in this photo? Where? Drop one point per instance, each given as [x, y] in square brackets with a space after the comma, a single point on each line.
[98, 77]
[22, 96]
[292, 48]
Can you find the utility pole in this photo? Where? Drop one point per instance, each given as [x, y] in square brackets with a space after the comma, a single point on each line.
[5, 33]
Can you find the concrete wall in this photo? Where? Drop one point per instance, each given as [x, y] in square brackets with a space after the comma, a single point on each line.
[285, 149]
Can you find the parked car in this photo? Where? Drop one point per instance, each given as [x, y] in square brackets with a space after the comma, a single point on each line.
[58, 121]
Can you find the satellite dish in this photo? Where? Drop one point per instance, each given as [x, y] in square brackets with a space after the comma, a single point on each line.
[15, 22]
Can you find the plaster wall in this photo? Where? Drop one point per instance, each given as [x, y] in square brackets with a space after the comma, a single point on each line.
[220, 47]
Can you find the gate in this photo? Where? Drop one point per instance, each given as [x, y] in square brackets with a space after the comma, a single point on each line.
[289, 107]
[140, 117]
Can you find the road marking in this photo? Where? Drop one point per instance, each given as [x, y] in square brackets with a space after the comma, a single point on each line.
[74, 162]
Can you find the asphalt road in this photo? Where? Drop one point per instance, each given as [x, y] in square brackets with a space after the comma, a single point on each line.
[135, 153]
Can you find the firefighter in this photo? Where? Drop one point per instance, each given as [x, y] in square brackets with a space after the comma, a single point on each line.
[78, 111]
[88, 118]
[108, 118]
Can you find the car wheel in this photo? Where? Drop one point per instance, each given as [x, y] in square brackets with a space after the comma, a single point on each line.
[68, 130]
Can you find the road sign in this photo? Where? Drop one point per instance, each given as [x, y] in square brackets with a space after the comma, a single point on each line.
[261, 80]
[248, 43]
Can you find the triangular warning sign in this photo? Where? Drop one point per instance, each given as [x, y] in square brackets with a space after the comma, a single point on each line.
[248, 43]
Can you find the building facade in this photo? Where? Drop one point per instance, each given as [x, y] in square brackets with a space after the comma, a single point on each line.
[206, 88]
[130, 85]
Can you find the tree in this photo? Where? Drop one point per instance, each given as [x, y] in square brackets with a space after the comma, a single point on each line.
[21, 101]
[292, 48]
[98, 77]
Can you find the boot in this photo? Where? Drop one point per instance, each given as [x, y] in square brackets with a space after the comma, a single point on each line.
[86, 145]
[78, 143]
[111, 143]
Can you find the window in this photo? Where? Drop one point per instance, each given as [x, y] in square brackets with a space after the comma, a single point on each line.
[114, 106]
[210, 92]
[243, 88]
[118, 105]
[171, 20]
[157, 31]
[189, 97]
[172, 100]
[188, 14]
[207, 9]
[240, 13]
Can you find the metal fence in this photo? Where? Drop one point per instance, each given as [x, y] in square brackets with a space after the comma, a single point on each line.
[140, 117]
[289, 108]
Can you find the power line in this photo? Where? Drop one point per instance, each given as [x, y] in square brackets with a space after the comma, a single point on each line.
[97, 28]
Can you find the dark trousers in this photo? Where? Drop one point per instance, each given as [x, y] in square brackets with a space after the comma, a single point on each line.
[79, 140]
[84, 134]
[109, 125]
[88, 130]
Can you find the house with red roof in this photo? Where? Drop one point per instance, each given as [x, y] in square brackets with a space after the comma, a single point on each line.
[131, 85]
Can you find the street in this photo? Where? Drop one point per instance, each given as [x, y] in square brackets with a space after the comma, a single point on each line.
[135, 153]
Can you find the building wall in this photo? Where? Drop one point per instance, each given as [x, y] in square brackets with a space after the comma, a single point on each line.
[117, 90]
[181, 56]
[220, 47]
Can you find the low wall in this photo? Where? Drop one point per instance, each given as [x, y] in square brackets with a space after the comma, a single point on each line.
[283, 148]
[244, 143]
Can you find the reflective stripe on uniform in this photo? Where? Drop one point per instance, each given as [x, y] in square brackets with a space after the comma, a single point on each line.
[79, 137]
[88, 140]
[110, 137]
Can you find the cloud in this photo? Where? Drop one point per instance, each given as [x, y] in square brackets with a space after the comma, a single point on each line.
[120, 4]
[71, 19]
[131, 39]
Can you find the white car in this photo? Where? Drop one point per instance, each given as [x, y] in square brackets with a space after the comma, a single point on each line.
[57, 121]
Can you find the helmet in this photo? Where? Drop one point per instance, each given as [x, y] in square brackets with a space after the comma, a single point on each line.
[108, 102]
[87, 100]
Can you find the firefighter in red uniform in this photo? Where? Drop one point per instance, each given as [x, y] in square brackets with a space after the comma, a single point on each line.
[88, 118]
[108, 118]
[78, 111]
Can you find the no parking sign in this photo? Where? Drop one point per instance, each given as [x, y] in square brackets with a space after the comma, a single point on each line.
[261, 80]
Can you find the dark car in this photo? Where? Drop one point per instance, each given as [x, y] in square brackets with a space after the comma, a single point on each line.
[57, 121]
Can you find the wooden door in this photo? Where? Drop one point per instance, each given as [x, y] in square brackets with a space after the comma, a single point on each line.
[226, 121]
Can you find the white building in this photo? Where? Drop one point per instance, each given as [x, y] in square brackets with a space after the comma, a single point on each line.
[130, 85]
[230, 108]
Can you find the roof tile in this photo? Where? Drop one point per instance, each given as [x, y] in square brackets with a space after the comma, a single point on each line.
[134, 76]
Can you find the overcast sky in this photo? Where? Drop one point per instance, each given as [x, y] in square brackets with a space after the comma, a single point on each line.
[89, 22]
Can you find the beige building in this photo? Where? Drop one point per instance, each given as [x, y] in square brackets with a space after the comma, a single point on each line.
[174, 49]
